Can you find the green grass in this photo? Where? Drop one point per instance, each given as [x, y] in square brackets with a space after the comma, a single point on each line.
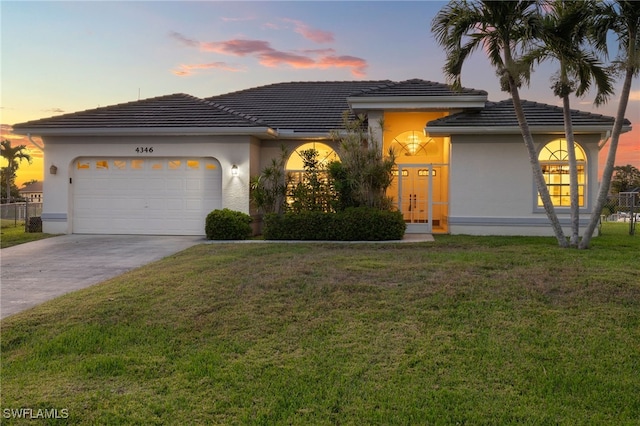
[466, 330]
[13, 234]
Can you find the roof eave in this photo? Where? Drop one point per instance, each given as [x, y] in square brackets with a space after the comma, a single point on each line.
[417, 102]
[508, 130]
[293, 135]
[152, 131]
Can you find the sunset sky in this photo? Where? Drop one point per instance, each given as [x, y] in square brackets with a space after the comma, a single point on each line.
[61, 57]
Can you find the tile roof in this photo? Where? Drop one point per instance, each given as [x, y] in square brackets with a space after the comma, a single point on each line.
[32, 187]
[317, 107]
[302, 108]
[415, 87]
[502, 114]
[177, 110]
[306, 107]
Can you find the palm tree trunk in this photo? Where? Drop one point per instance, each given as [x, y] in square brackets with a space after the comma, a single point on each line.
[610, 163]
[573, 173]
[538, 177]
[9, 174]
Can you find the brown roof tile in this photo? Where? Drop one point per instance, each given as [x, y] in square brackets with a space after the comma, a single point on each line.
[502, 114]
[177, 110]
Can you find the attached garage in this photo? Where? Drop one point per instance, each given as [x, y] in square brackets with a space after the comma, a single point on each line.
[154, 196]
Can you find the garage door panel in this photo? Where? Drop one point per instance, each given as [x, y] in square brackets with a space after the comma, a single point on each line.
[193, 205]
[156, 204]
[173, 184]
[170, 196]
[175, 205]
[120, 183]
[193, 184]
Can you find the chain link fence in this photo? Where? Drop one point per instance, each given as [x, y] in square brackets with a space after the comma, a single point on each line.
[617, 209]
[22, 214]
[624, 207]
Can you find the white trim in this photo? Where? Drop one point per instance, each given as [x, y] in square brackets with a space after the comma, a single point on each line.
[53, 217]
[150, 131]
[507, 130]
[416, 102]
[512, 221]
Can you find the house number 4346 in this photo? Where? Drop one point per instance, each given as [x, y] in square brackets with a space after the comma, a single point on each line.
[144, 149]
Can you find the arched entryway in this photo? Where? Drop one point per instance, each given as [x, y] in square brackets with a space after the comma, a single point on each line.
[420, 187]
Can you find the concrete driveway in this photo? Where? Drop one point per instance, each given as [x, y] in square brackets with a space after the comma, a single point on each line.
[38, 271]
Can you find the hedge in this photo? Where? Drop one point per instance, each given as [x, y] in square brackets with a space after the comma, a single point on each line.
[227, 224]
[352, 224]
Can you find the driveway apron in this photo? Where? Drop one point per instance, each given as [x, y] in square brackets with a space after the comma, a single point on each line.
[38, 271]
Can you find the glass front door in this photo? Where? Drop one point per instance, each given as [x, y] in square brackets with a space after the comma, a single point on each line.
[419, 197]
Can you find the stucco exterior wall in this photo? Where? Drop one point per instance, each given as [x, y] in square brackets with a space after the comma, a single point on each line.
[492, 191]
[62, 151]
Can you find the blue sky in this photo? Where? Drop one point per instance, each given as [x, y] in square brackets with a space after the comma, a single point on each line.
[60, 57]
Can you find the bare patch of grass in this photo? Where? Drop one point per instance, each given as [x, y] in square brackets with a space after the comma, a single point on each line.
[470, 330]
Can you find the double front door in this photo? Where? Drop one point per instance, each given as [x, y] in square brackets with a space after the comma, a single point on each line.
[418, 193]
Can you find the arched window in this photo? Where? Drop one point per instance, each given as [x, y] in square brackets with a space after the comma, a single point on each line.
[295, 163]
[414, 143]
[326, 154]
[554, 161]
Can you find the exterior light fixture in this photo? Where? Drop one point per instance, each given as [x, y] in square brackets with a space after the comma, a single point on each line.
[234, 170]
[53, 170]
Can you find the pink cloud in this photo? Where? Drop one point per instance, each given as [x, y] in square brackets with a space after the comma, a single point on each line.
[269, 57]
[358, 66]
[328, 51]
[237, 47]
[274, 58]
[184, 40]
[316, 35]
[188, 69]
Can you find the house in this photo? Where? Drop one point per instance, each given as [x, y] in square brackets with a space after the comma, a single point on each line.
[32, 192]
[159, 165]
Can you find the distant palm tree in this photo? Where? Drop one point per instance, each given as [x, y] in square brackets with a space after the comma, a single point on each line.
[13, 155]
[623, 18]
[505, 29]
[564, 33]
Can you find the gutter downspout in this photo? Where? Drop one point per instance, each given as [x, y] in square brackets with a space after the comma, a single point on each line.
[604, 141]
[41, 148]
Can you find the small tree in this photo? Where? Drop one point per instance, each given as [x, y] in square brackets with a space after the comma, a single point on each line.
[623, 19]
[13, 189]
[364, 173]
[313, 192]
[268, 191]
[625, 179]
[14, 156]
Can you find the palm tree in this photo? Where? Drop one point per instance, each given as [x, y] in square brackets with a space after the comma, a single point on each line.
[565, 30]
[14, 156]
[505, 29]
[623, 18]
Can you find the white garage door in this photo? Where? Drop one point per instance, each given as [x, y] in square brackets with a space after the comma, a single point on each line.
[153, 196]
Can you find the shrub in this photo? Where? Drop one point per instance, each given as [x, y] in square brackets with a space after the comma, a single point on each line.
[268, 191]
[227, 224]
[353, 224]
[364, 173]
[304, 225]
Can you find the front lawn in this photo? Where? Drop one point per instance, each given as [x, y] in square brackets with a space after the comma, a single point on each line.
[13, 234]
[465, 330]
